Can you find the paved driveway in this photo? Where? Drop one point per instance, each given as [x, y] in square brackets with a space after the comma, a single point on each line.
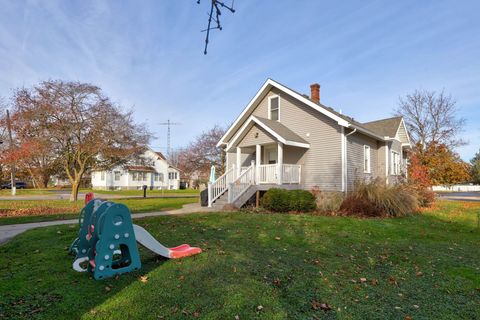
[462, 196]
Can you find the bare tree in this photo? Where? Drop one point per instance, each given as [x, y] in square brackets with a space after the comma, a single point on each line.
[431, 118]
[201, 154]
[84, 128]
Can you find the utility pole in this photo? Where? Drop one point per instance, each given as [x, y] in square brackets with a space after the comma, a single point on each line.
[12, 170]
[168, 124]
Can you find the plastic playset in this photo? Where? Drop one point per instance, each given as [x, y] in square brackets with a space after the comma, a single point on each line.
[107, 241]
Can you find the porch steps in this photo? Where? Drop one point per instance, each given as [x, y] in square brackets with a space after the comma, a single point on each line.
[221, 201]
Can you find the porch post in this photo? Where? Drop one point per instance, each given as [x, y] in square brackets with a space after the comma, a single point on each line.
[279, 162]
[239, 161]
[258, 157]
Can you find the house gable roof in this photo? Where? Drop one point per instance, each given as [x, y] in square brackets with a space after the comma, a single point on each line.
[274, 128]
[384, 127]
[341, 119]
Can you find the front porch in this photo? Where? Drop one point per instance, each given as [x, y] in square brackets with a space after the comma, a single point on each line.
[266, 170]
[265, 153]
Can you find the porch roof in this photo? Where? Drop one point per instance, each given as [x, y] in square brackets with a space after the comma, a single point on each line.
[275, 128]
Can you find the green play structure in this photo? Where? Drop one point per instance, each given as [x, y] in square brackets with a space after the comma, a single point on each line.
[107, 241]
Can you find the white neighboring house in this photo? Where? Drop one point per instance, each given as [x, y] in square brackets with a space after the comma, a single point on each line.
[151, 169]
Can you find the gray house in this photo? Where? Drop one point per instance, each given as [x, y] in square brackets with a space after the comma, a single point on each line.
[289, 140]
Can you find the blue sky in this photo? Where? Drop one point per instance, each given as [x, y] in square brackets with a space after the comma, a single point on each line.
[148, 55]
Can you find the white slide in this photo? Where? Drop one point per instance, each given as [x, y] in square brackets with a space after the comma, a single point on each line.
[149, 242]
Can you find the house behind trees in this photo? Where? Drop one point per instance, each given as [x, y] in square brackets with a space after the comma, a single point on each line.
[150, 168]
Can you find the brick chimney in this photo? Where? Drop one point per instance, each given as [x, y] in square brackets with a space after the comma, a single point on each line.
[315, 92]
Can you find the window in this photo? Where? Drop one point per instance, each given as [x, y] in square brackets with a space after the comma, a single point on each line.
[366, 159]
[172, 175]
[274, 108]
[102, 176]
[395, 163]
[117, 175]
[155, 177]
[134, 176]
[144, 176]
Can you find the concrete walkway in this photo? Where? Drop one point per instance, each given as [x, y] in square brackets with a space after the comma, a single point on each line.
[460, 196]
[7, 232]
[66, 196]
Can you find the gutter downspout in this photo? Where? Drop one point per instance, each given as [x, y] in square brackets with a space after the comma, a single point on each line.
[346, 159]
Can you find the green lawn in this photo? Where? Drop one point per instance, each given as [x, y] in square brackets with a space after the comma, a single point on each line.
[257, 266]
[46, 210]
[25, 192]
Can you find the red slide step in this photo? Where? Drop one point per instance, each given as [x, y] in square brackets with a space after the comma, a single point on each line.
[184, 250]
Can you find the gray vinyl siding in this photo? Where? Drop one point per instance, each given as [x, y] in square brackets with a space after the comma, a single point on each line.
[321, 164]
[355, 159]
[402, 133]
[382, 159]
[250, 138]
[246, 159]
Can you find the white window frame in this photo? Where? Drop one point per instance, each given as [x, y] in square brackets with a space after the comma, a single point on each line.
[395, 163]
[367, 159]
[270, 107]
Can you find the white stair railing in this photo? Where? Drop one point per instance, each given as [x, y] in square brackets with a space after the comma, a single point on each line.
[217, 188]
[241, 184]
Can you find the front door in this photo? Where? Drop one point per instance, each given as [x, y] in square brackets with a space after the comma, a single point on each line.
[271, 155]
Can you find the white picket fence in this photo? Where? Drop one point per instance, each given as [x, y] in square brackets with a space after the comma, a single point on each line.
[457, 188]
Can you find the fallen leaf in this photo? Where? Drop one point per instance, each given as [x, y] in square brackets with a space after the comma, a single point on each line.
[419, 273]
[362, 280]
[144, 279]
[107, 289]
[260, 308]
[237, 317]
[325, 307]
[374, 282]
[277, 238]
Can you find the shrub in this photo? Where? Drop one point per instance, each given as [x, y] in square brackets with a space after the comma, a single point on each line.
[377, 199]
[280, 200]
[327, 202]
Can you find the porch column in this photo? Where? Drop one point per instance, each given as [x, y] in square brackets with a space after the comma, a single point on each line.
[239, 161]
[258, 157]
[279, 162]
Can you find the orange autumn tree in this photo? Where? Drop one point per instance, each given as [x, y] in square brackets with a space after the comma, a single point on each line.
[444, 166]
[419, 180]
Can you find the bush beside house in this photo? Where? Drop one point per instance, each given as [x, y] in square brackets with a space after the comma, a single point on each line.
[281, 200]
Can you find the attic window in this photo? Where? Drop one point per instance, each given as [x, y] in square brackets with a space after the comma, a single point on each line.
[274, 108]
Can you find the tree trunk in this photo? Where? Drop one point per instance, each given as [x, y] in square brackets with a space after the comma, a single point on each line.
[75, 188]
[45, 179]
